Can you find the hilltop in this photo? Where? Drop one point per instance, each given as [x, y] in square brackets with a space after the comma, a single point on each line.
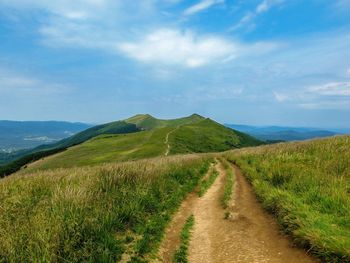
[144, 136]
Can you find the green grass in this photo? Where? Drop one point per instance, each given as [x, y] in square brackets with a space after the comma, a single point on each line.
[148, 122]
[307, 186]
[208, 136]
[181, 254]
[206, 183]
[93, 214]
[200, 136]
[229, 184]
[110, 148]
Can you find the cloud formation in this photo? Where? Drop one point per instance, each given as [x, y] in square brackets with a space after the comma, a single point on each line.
[175, 47]
[248, 18]
[332, 89]
[201, 6]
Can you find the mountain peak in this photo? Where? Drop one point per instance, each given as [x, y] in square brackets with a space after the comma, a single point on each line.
[139, 117]
[195, 115]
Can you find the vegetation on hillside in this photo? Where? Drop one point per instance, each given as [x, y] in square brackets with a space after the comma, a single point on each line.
[306, 185]
[181, 254]
[148, 122]
[207, 182]
[229, 184]
[13, 162]
[208, 136]
[94, 214]
[110, 148]
[193, 134]
[21, 162]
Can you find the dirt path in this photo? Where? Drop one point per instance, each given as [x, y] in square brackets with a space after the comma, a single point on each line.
[167, 141]
[251, 236]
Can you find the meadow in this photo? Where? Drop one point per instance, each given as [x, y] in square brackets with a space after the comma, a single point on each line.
[306, 185]
[94, 214]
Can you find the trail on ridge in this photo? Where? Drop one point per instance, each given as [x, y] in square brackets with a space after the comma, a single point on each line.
[249, 236]
[167, 141]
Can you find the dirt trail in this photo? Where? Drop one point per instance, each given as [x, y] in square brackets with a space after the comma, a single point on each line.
[250, 236]
[167, 141]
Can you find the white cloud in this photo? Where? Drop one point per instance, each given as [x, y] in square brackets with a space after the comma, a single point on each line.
[202, 5]
[266, 5]
[332, 95]
[175, 47]
[77, 9]
[106, 25]
[332, 89]
[248, 18]
[20, 84]
[326, 105]
[280, 97]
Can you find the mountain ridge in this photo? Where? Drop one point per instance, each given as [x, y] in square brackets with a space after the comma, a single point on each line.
[146, 138]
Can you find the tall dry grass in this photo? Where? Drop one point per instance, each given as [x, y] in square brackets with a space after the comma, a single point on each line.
[93, 213]
[307, 186]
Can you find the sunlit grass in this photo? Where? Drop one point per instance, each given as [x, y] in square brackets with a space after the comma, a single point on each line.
[93, 213]
[229, 184]
[181, 254]
[206, 183]
[307, 186]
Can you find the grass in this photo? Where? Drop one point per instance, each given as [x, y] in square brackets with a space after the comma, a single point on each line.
[206, 183]
[93, 214]
[228, 189]
[148, 122]
[208, 136]
[181, 254]
[200, 136]
[306, 185]
[110, 148]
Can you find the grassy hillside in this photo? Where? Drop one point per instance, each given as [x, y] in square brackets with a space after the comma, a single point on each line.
[93, 214]
[109, 148]
[193, 134]
[208, 136]
[307, 186]
[117, 127]
[22, 158]
[148, 122]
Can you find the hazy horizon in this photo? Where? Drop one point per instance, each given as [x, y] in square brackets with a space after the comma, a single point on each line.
[334, 128]
[255, 62]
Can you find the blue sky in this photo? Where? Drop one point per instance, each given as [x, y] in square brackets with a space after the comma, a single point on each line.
[284, 62]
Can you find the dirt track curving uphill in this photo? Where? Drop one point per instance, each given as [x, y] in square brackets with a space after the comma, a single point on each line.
[250, 235]
[166, 142]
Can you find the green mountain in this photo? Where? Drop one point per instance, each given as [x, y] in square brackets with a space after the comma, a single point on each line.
[152, 137]
[148, 122]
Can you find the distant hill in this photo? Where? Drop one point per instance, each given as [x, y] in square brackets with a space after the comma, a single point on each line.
[15, 135]
[278, 133]
[144, 136]
[17, 138]
[148, 122]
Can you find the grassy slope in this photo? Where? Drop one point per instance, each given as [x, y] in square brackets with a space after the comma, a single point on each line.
[307, 186]
[148, 122]
[208, 136]
[11, 161]
[93, 214]
[201, 135]
[109, 148]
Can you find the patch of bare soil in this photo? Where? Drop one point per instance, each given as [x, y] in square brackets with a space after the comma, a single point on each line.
[249, 235]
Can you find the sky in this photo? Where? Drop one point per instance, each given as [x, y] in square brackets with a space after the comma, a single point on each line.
[259, 62]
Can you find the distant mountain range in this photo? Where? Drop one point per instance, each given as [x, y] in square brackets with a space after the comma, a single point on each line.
[280, 133]
[144, 136]
[15, 135]
[141, 136]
